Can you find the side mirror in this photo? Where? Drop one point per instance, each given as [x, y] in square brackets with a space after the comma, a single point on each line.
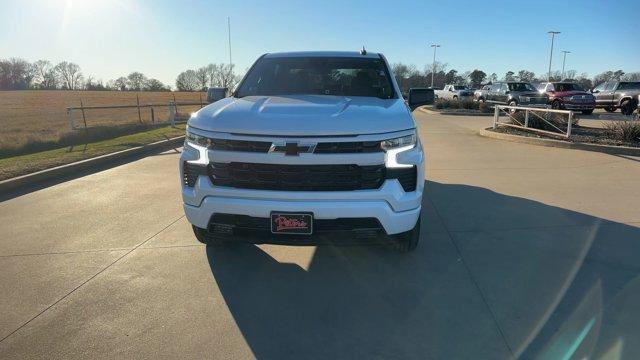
[420, 96]
[405, 96]
[215, 94]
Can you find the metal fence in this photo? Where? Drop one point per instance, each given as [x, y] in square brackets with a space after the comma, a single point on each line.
[528, 113]
[173, 110]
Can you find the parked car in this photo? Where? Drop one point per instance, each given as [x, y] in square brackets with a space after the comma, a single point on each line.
[569, 96]
[481, 94]
[612, 95]
[515, 93]
[310, 146]
[455, 92]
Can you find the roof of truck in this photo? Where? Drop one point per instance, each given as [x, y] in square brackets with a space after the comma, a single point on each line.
[322, 54]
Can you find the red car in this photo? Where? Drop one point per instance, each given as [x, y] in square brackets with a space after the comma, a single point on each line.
[569, 96]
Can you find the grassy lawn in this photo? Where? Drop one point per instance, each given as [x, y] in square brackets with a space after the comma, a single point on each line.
[25, 164]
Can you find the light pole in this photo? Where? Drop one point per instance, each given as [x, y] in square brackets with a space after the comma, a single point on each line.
[564, 58]
[553, 35]
[433, 66]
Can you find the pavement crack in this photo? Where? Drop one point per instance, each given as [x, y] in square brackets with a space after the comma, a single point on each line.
[89, 279]
[473, 279]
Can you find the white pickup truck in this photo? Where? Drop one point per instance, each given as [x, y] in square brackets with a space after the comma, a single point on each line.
[310, 146]
[455, 92]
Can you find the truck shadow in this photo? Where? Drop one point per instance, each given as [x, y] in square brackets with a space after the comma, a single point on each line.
[484, 283]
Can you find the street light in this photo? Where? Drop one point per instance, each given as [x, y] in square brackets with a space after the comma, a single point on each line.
[553, 35]
[564, 58]
[433, 67]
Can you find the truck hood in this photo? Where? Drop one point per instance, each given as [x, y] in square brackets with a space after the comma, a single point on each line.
[569, 93]
[300, 115]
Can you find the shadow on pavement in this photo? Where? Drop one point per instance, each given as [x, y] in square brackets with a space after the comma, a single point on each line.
[495, 283]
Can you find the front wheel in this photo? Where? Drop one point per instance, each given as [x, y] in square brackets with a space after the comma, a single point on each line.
[628, 106]
[512, 103]
[610, 109]
[587, 112]
[455, 98]
[556, 105]
[408, 240]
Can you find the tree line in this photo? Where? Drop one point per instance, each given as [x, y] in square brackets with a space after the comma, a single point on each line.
[19, 74]
[409, 76]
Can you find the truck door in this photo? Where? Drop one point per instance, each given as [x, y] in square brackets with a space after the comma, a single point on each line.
[598, 93]
[607, 94]
[502, 94]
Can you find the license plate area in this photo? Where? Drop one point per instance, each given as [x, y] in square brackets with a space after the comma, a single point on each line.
[298, 223]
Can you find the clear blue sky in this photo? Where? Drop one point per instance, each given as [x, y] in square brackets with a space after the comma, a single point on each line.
[110, 38]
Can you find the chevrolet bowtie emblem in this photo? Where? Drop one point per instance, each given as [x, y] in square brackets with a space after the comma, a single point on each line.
[291, 148]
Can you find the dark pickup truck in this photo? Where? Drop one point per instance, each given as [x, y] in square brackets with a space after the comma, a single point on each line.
[612, 95]
[515, 94]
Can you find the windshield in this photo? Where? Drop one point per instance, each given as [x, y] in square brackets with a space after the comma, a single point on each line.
[521, 87]
[460, 87]
[567, 87]
[341, 76]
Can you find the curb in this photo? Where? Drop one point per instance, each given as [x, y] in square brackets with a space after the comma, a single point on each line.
[429, 111]
[607, 149]
[75, 167]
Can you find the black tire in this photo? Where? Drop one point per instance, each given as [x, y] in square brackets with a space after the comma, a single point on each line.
[408, 241]
[556, 105]
[205, 237]
[587, 112]
[455, 97]
[610, 109]
[512, 103]
[628, 106]
[481, 100]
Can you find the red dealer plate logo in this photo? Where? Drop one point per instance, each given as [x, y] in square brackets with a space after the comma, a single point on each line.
[291, 223]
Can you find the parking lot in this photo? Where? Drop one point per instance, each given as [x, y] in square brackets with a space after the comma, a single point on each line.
[526, 252]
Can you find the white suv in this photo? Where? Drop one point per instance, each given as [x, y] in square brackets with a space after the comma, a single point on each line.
[312, 147]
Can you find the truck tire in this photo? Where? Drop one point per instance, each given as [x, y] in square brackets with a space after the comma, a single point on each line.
[408, 240]
[628, 106]
[556, 105]
[512, 103]
[587, 112]
[610, 108]
[206, 238]
[455, 97]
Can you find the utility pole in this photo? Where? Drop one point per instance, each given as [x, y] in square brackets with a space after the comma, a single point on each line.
[564, 58]
[229, 32]
[553, 35]
[433, 66]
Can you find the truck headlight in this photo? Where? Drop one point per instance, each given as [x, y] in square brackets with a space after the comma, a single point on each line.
[197, 140]
[395, 146]
[407, 142]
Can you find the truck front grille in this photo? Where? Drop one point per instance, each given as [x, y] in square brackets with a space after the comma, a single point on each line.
[297, 177]
[347, 147]
[308, 177]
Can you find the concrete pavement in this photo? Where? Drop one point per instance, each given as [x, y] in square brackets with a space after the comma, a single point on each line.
[527, 252]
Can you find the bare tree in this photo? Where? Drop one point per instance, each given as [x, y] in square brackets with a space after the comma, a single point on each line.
[121, 83]
[187, 81]
[70, 75]
[203, 77]
[15, 74]
[45, 75]
[224, 76]
[155, 85]
[634, 76]
[136, 81]
[570, 74]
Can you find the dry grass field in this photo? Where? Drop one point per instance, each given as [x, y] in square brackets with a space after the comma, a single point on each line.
[35, 117]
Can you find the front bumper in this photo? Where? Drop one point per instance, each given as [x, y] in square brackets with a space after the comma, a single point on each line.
[578, 106]
[397, 211]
